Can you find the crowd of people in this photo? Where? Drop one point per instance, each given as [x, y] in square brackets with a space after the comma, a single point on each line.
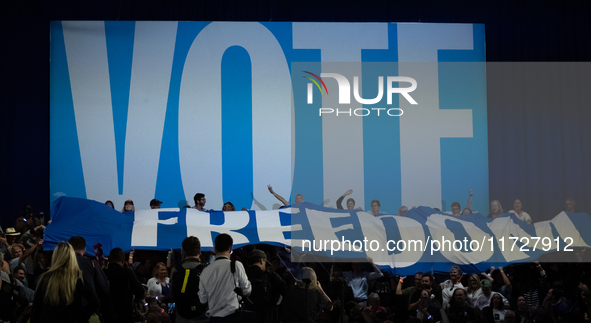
[456, 210]
[260, 284]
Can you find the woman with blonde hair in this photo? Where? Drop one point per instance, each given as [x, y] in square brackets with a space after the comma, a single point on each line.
[304, 301]
[496, 210]
[474, 289]
[159, 285]
[449, 286]
[61, 291]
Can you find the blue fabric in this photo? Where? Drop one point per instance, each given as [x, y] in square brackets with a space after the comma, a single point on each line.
[166, 228]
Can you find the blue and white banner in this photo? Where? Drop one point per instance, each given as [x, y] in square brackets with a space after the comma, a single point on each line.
[405, 244]
[146, 109]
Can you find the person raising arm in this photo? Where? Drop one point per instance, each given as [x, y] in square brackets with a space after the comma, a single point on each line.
[277, 196]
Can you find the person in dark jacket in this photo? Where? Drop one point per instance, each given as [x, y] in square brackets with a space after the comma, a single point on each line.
[303, 303]
[124, 286]
[92, 272]
[61, 292]
[459, 310]
[265, 306]
[555, 305]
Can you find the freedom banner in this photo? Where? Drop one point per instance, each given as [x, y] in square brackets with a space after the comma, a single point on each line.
[423, 240]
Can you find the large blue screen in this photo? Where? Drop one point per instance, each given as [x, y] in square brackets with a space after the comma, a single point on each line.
[143, 110]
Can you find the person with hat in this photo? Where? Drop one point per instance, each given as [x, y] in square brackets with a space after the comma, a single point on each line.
[12, 236]
[128, 206]
[266, 287]
[155, 204]
[124, 286]
[4, 240]
[484, 300]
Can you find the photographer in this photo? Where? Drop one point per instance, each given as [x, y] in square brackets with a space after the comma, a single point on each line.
[27, 221]
[220, 283]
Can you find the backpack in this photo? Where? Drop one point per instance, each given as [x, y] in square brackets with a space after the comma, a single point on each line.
[261, 295]
[245, 315]
[185, 286]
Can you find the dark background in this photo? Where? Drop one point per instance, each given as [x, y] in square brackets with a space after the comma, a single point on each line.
[539, 155]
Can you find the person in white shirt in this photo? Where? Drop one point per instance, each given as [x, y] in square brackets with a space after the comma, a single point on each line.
[484, 300]
[218, 283]
[359, 280]
[496, 304]
[159, 285]
[474, 290]
[519, 213]
[449, 286]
